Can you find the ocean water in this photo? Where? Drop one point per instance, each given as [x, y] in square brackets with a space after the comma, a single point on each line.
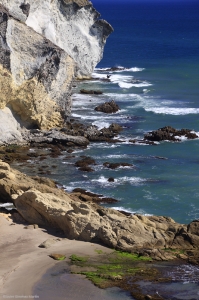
[157, 42]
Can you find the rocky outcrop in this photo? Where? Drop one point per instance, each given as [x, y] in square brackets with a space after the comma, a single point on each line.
[170, 134]
[90, 92]
[43, 46]
[35, 75]
[73, 25]
[108, 107]
[39, 203]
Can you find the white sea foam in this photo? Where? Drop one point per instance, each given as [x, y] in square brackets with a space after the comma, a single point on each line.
[124, 209]
[173, 110]
[121, 69]
[101, 125]
[135, 69]
[117, 156]
[129, 210]
[132, 180]
[125, 85]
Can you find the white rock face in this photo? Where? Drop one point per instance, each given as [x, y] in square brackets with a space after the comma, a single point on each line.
[9, 128]
[73, 27]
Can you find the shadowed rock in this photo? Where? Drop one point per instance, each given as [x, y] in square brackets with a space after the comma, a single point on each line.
[108, 107]
[170, 134]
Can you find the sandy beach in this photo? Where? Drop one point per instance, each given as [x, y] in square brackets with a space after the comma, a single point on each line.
[23, 263]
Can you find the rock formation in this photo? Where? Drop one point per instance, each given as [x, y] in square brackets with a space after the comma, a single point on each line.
[43, 46]
[73, 25]
[170, 134]
[108, 107]
[43, 204]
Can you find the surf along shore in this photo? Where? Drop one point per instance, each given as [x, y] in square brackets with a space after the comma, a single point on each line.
[72, 225]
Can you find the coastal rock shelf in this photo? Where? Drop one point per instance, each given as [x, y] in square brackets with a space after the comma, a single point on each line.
[43, 204]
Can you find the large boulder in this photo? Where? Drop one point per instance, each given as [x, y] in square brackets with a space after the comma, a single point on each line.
[40, 202]
[108, 107]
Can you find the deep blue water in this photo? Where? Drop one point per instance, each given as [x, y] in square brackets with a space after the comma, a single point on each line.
[159, 44]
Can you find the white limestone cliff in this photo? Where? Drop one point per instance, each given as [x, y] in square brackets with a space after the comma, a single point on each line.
[43, 46]
[74, 26]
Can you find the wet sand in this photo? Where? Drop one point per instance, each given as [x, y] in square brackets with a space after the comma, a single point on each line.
[23, 263]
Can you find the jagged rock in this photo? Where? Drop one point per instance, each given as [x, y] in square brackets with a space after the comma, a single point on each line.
[108, 107]
[13, 183]
[55, 136]
[85, 196]
[90, 92]
[84, 164]
[74, 26]
[169, 133]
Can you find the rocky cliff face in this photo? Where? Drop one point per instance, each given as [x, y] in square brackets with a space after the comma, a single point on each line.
[43, 45]
[74, 26]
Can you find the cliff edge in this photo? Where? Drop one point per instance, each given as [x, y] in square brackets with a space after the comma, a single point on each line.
[43, 46]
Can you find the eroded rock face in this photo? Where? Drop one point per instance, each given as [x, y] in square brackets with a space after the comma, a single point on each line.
[48, 206]
[74, 26]
[35, 75]
[43, 46]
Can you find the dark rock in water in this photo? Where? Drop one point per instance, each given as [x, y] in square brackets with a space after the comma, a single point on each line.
[83, 191]
[85, 196]
[91, 132]
[111, 179]
[116, 165]
[108, 107]
[84, 164]
[116, 128]
[170, 134]
[142, 142]
[91, 92]
[86, 169]
[113, 69]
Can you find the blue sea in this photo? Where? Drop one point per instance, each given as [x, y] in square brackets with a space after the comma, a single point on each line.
[157, 42]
